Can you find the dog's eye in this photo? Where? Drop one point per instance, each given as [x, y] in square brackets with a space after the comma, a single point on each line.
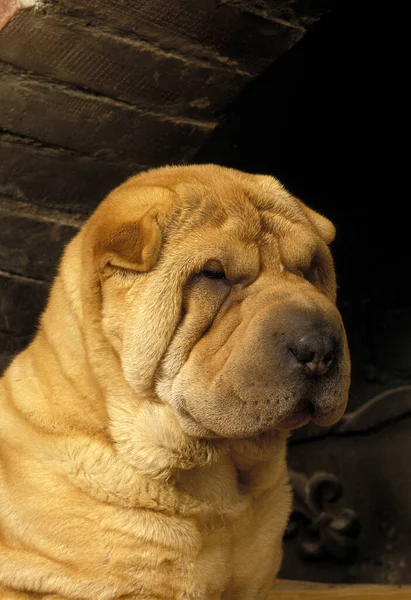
[213, 274]
[213, 269]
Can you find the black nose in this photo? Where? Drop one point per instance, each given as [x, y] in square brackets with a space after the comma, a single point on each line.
[315, 352]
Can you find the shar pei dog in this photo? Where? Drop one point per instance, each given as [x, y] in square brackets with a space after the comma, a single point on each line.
[191, 326]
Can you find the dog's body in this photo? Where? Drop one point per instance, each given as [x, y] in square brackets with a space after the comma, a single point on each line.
[143, 432]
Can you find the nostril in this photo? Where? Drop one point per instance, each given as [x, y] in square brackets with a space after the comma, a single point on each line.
[315, 352]
[303, 354]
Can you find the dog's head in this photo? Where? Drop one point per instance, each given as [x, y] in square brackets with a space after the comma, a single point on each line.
[217, 294]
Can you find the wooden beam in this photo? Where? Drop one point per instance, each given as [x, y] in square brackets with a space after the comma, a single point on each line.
[116, 67]
[55, 178]
[206, 29]
[301, 590]
[57, 115]
[31, 246]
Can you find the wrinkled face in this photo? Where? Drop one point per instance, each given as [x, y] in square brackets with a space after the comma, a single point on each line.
[234, 325]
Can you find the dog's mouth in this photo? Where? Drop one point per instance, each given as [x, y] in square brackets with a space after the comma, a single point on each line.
[242, 417]
[308, 410]
[300, 415]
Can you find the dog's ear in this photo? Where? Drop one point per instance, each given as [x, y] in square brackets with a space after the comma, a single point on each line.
[126, 230]
[321, 224]
[134, 245]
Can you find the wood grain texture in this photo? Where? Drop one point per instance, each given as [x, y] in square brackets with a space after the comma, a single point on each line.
[30, 246]
[128, 70]
[206, 29]
[297, 590]
[80, 121]
[51, 177]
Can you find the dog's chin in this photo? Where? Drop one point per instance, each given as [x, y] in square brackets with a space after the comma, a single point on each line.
[194, 428]
[301, 414]
[307, 411]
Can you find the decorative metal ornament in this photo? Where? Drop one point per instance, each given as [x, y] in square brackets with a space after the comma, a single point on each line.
[326, 529]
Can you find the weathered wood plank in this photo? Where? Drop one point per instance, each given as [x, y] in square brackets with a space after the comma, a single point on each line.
[125, 69]
[54, 178]
[82, 122]
[22, 300]
[294, 13]
[31, 247]
[207, 29]
[299, 590]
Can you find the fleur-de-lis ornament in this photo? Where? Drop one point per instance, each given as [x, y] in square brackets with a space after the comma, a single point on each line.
[326, 529]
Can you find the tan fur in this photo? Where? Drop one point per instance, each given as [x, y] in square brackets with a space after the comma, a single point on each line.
[143, 431]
